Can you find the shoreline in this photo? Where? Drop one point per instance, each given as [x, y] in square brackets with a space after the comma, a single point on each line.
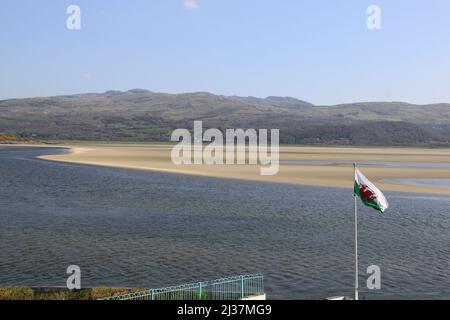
[24, 292]
[156, 157]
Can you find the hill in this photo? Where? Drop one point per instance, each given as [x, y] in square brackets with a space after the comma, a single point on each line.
[142, 115]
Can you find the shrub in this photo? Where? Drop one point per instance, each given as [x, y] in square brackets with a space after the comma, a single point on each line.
[16, 293]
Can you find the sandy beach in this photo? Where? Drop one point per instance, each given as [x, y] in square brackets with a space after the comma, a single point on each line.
[317, 168]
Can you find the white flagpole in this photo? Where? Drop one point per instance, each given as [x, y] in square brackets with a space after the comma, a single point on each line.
[356, 242]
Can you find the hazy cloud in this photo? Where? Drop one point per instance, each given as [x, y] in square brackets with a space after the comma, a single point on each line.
[191, 4]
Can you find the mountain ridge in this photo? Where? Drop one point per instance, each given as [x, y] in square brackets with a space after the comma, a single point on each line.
[144, 115]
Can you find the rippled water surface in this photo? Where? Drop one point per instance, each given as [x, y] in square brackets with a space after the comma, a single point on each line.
[134, 228]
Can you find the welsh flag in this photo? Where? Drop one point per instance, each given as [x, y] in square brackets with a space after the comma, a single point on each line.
[370, 195]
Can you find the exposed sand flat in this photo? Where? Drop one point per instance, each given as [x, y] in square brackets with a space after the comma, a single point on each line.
[157, 157]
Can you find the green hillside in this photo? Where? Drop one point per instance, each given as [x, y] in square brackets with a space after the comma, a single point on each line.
[142, 115]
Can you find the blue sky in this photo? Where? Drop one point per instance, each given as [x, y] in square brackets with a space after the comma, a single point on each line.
[316, 50]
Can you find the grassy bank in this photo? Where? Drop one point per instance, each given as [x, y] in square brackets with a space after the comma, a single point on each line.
[38, 293]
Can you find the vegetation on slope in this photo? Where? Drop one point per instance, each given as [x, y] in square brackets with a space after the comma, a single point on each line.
[141, 115]
[10, 138]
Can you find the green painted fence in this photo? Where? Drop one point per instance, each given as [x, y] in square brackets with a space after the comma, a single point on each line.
[230, 288]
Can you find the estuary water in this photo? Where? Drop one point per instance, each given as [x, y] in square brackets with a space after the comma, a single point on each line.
[434, 183]
[147, 229]
[362, 164]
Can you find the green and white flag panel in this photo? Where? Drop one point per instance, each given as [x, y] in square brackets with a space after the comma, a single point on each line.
[369, 194]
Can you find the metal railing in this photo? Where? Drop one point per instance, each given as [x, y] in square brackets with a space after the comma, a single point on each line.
[230, 288]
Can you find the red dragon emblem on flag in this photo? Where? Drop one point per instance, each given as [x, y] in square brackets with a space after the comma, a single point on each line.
[367, 193]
